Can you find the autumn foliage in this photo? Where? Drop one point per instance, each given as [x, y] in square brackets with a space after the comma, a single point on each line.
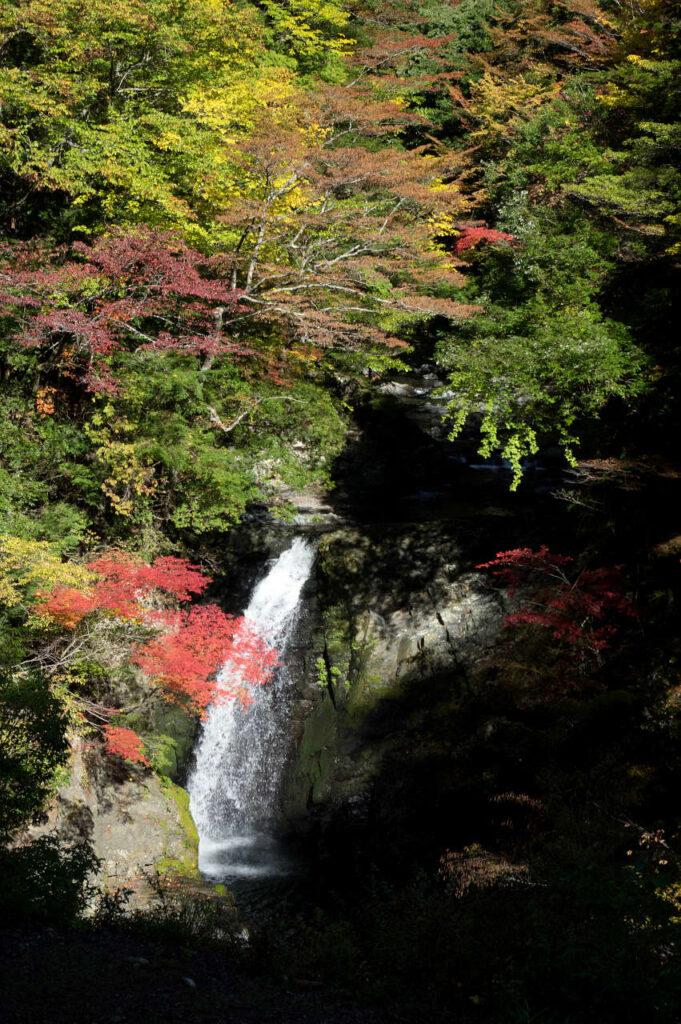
[472, 236]
[141, 290]
[580, 608]
[183, 649]
[120, 587]
[186, 659]
[125, 743]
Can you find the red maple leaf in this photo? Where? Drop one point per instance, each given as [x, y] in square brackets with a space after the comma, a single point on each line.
[125, 743]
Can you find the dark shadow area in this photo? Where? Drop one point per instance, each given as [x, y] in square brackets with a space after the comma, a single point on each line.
[391, 470]
[113, 976]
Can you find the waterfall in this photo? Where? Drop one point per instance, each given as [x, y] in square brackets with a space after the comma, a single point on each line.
[240, 755]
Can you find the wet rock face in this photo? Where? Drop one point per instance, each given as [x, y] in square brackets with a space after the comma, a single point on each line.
[417, 608]
[402, 605]
[403, 619]
[134, 822]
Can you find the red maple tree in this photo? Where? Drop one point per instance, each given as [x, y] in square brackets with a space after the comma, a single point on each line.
[183, 650]
[471, 236]
[131, 290]
[187, 659]
[124, 743]
[578, 608]
[120, 587]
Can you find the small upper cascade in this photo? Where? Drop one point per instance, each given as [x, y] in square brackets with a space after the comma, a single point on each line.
[240, 755]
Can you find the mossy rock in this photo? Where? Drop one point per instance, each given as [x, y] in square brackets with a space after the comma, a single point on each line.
[171, 742]
[312, 768]
[186, 865]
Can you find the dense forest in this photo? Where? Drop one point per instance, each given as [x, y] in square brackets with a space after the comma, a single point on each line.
[225, 226]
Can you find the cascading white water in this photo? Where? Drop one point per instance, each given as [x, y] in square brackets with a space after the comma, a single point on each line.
[240, 755]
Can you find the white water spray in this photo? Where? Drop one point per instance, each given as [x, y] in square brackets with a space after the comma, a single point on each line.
[240, 755]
